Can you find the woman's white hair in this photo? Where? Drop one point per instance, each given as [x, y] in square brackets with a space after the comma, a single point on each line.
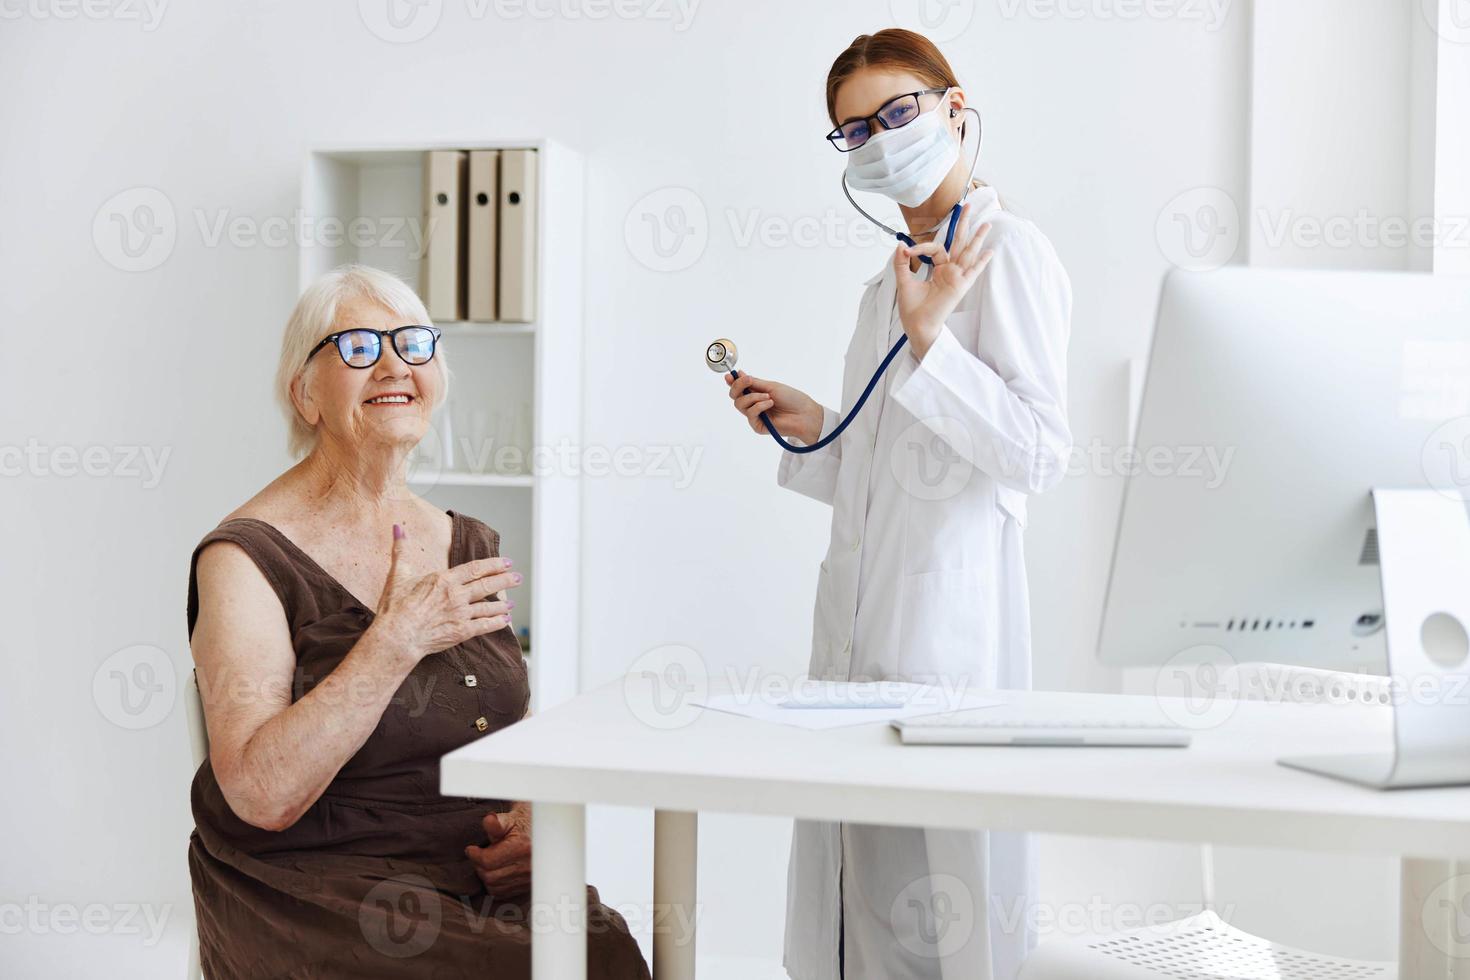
[315, 317]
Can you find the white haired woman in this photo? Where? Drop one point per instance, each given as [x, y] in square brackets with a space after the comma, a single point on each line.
[346, 634]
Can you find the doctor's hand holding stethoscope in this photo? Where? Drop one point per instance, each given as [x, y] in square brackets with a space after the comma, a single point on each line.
[924, 578]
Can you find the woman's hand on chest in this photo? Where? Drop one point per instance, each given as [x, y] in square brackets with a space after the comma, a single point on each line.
[425, 614]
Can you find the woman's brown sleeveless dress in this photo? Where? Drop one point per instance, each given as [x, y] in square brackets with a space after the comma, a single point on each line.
[372, 881]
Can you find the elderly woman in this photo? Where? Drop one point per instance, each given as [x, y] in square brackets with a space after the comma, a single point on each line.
[346, 635]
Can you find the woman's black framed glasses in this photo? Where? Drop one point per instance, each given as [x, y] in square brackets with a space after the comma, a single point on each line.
[896, 112]
[361, 347]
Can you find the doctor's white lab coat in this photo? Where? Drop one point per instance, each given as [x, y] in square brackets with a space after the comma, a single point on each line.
[925, 580]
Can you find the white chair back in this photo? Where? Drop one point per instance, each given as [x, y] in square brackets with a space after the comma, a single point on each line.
[198, 751]
[198, 733]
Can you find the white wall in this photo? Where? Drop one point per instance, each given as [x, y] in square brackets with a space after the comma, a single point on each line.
[1095, 124]
[1451, 164]
[1331, 151]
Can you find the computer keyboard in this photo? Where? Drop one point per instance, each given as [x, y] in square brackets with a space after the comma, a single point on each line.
[975, 728]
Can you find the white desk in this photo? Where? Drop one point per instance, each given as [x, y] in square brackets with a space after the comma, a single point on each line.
[1226, 788]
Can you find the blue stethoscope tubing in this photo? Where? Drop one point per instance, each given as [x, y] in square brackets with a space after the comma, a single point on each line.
[954, 216]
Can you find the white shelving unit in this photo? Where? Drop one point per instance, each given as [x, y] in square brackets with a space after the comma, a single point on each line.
[515, 394]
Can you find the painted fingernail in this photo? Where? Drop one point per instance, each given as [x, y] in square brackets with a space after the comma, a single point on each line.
[510, 604]
[516, 576]
[397, 532]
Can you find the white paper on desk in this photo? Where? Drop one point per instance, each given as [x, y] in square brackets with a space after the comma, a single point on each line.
[925, 700]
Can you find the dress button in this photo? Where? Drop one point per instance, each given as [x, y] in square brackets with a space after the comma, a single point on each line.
[469, 680]
[481, 724]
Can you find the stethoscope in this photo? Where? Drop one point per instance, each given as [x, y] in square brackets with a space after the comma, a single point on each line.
[720, 355]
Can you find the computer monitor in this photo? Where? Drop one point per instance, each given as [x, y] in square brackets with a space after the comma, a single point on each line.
[1275, 402]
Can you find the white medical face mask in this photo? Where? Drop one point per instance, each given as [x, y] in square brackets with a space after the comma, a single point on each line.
[906, 164]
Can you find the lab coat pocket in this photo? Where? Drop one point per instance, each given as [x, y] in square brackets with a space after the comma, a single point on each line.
[945, 638]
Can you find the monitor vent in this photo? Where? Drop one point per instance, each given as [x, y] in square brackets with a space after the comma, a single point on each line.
[1369, 554]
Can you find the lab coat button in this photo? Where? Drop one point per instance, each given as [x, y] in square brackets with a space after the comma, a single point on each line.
[469, 680]
[848, 648]
[856, 543]
[481, 724]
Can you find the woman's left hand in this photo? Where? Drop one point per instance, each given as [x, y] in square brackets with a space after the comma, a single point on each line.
[924, 304]
[504, 864]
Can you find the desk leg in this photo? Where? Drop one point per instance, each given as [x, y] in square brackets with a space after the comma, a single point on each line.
[1432, 943]
[675, 861]
[558, 891]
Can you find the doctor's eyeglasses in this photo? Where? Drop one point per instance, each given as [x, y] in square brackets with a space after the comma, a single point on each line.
[896, 112]
[361, 347]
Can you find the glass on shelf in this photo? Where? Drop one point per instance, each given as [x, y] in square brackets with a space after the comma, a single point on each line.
[475, 445]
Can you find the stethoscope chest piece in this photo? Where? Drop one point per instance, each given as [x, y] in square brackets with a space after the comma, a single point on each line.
[720, 356]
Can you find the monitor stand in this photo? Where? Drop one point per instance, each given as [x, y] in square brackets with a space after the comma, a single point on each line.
[1424, 566]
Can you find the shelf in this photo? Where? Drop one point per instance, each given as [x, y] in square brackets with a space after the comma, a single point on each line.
[411, 152]
[470, 328]
[457, 478]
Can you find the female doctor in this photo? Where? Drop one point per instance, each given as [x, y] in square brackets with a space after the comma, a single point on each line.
[924, 578]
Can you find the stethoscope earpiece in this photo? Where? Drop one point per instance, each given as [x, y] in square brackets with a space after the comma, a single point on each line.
[954, 212]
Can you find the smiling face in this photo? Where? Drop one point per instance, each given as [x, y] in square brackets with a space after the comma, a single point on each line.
[385, 405]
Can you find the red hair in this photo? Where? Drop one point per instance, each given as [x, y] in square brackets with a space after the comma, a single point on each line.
[892, 47]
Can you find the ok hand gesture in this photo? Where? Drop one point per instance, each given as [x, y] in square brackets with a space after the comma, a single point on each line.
[924, 304]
